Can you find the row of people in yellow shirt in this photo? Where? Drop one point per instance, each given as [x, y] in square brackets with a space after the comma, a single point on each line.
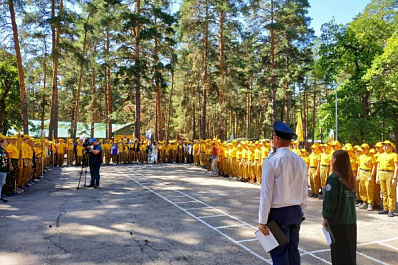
[376, 171]
[26, 154]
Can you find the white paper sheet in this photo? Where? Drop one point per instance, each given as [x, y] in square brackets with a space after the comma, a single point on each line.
[268, 242]
[327, 236]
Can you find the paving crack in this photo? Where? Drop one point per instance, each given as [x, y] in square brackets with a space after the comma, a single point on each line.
[62, 211]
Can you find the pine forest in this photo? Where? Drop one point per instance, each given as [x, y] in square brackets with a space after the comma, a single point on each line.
[198, 69]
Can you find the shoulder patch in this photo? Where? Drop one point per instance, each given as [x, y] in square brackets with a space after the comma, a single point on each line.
[328, 187]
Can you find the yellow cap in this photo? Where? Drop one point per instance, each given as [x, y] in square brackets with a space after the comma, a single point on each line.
[365, 145]
[372, 151]
[379, 144]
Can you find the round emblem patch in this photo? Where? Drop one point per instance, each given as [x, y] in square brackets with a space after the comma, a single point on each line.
[328, 187]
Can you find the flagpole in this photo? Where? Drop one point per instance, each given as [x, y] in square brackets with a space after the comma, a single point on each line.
[335, 102]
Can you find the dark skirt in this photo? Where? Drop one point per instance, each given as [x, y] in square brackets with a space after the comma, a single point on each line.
[345, 246]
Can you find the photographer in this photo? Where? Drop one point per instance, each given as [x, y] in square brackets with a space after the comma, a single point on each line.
[95, 162]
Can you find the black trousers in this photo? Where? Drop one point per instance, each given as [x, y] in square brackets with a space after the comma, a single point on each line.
[344, 249]
[11, 177]
[289, 220]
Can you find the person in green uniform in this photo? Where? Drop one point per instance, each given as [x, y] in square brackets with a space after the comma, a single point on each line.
[339, 211]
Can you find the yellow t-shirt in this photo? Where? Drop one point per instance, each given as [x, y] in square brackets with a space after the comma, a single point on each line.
[244, 153]
[257, 153]
[325, 159]
[60, 148]
[195, 147]
[69, 147]
[354, 162]
[366, 162]
[79, 150]
[12, 151]
[250, 155]
[306, 159]
[264, 152]
[387, 161]
[239, 154]
[107, 147]
[38, 151]
[314, 159]
[226, 153]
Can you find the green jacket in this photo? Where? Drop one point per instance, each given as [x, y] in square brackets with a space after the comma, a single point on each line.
[339, 203]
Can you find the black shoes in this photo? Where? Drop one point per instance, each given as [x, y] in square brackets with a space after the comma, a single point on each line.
[90, 186]
[383, 212]
[4, 200]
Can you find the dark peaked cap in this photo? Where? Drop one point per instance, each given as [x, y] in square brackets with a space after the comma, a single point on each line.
[282, 130]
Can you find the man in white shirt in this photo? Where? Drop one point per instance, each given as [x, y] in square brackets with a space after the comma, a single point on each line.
[283, 195]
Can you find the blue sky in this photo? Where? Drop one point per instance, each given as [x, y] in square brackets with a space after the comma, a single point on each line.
[322, 11]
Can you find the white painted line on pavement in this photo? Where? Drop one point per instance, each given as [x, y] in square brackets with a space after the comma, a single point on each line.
[199, 219]
[177, 196]
[247, 240]
[228, 226]
[388, 246]
[185, 202]
[378, 242]
[190, 209]
[211, 216]
[371, 258]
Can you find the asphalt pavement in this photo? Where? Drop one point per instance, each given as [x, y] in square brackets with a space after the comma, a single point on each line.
[161, 214]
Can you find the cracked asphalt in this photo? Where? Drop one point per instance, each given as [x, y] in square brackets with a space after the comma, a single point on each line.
[160, 214]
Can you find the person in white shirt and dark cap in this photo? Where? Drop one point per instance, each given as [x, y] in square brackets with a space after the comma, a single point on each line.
[284, 194]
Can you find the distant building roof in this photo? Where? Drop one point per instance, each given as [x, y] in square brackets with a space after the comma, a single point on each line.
[64, 128]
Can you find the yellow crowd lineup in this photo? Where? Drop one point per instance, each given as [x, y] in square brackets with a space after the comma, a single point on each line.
[375, 167]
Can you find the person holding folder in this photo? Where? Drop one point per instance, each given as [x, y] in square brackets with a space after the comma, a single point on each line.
[339, 211]
[283, 196]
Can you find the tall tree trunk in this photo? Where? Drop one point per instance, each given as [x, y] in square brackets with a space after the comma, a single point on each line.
[43, 111]
[137, 32]
[54, 102]
[313, 115]
[205, 81]
[221, 116]
[106, 105]
[159, 129]
[93, 98]
[249, 109]
[287, 97]
[108, 85]
[79, 87]
[272, 68]
[21, 77]
[170, 101]
[193, 114]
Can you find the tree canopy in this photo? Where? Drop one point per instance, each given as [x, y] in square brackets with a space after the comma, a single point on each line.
[211, 68]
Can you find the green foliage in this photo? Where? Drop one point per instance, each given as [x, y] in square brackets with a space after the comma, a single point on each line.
[10, 104]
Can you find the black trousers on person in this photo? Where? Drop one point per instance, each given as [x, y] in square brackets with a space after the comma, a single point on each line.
[289, 220]
[344, 249]
[12, 177]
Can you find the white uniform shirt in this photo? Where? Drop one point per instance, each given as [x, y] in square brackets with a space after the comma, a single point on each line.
[284, 182]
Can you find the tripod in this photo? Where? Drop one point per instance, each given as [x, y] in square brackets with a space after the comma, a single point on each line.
[84, 167]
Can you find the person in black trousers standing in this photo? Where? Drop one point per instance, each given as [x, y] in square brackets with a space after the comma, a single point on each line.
[95, 162]
[339, 210]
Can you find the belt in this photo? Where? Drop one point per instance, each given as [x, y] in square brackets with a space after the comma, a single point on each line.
[364, 169]
[386, 170]
[324, 165]
[312, 167]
